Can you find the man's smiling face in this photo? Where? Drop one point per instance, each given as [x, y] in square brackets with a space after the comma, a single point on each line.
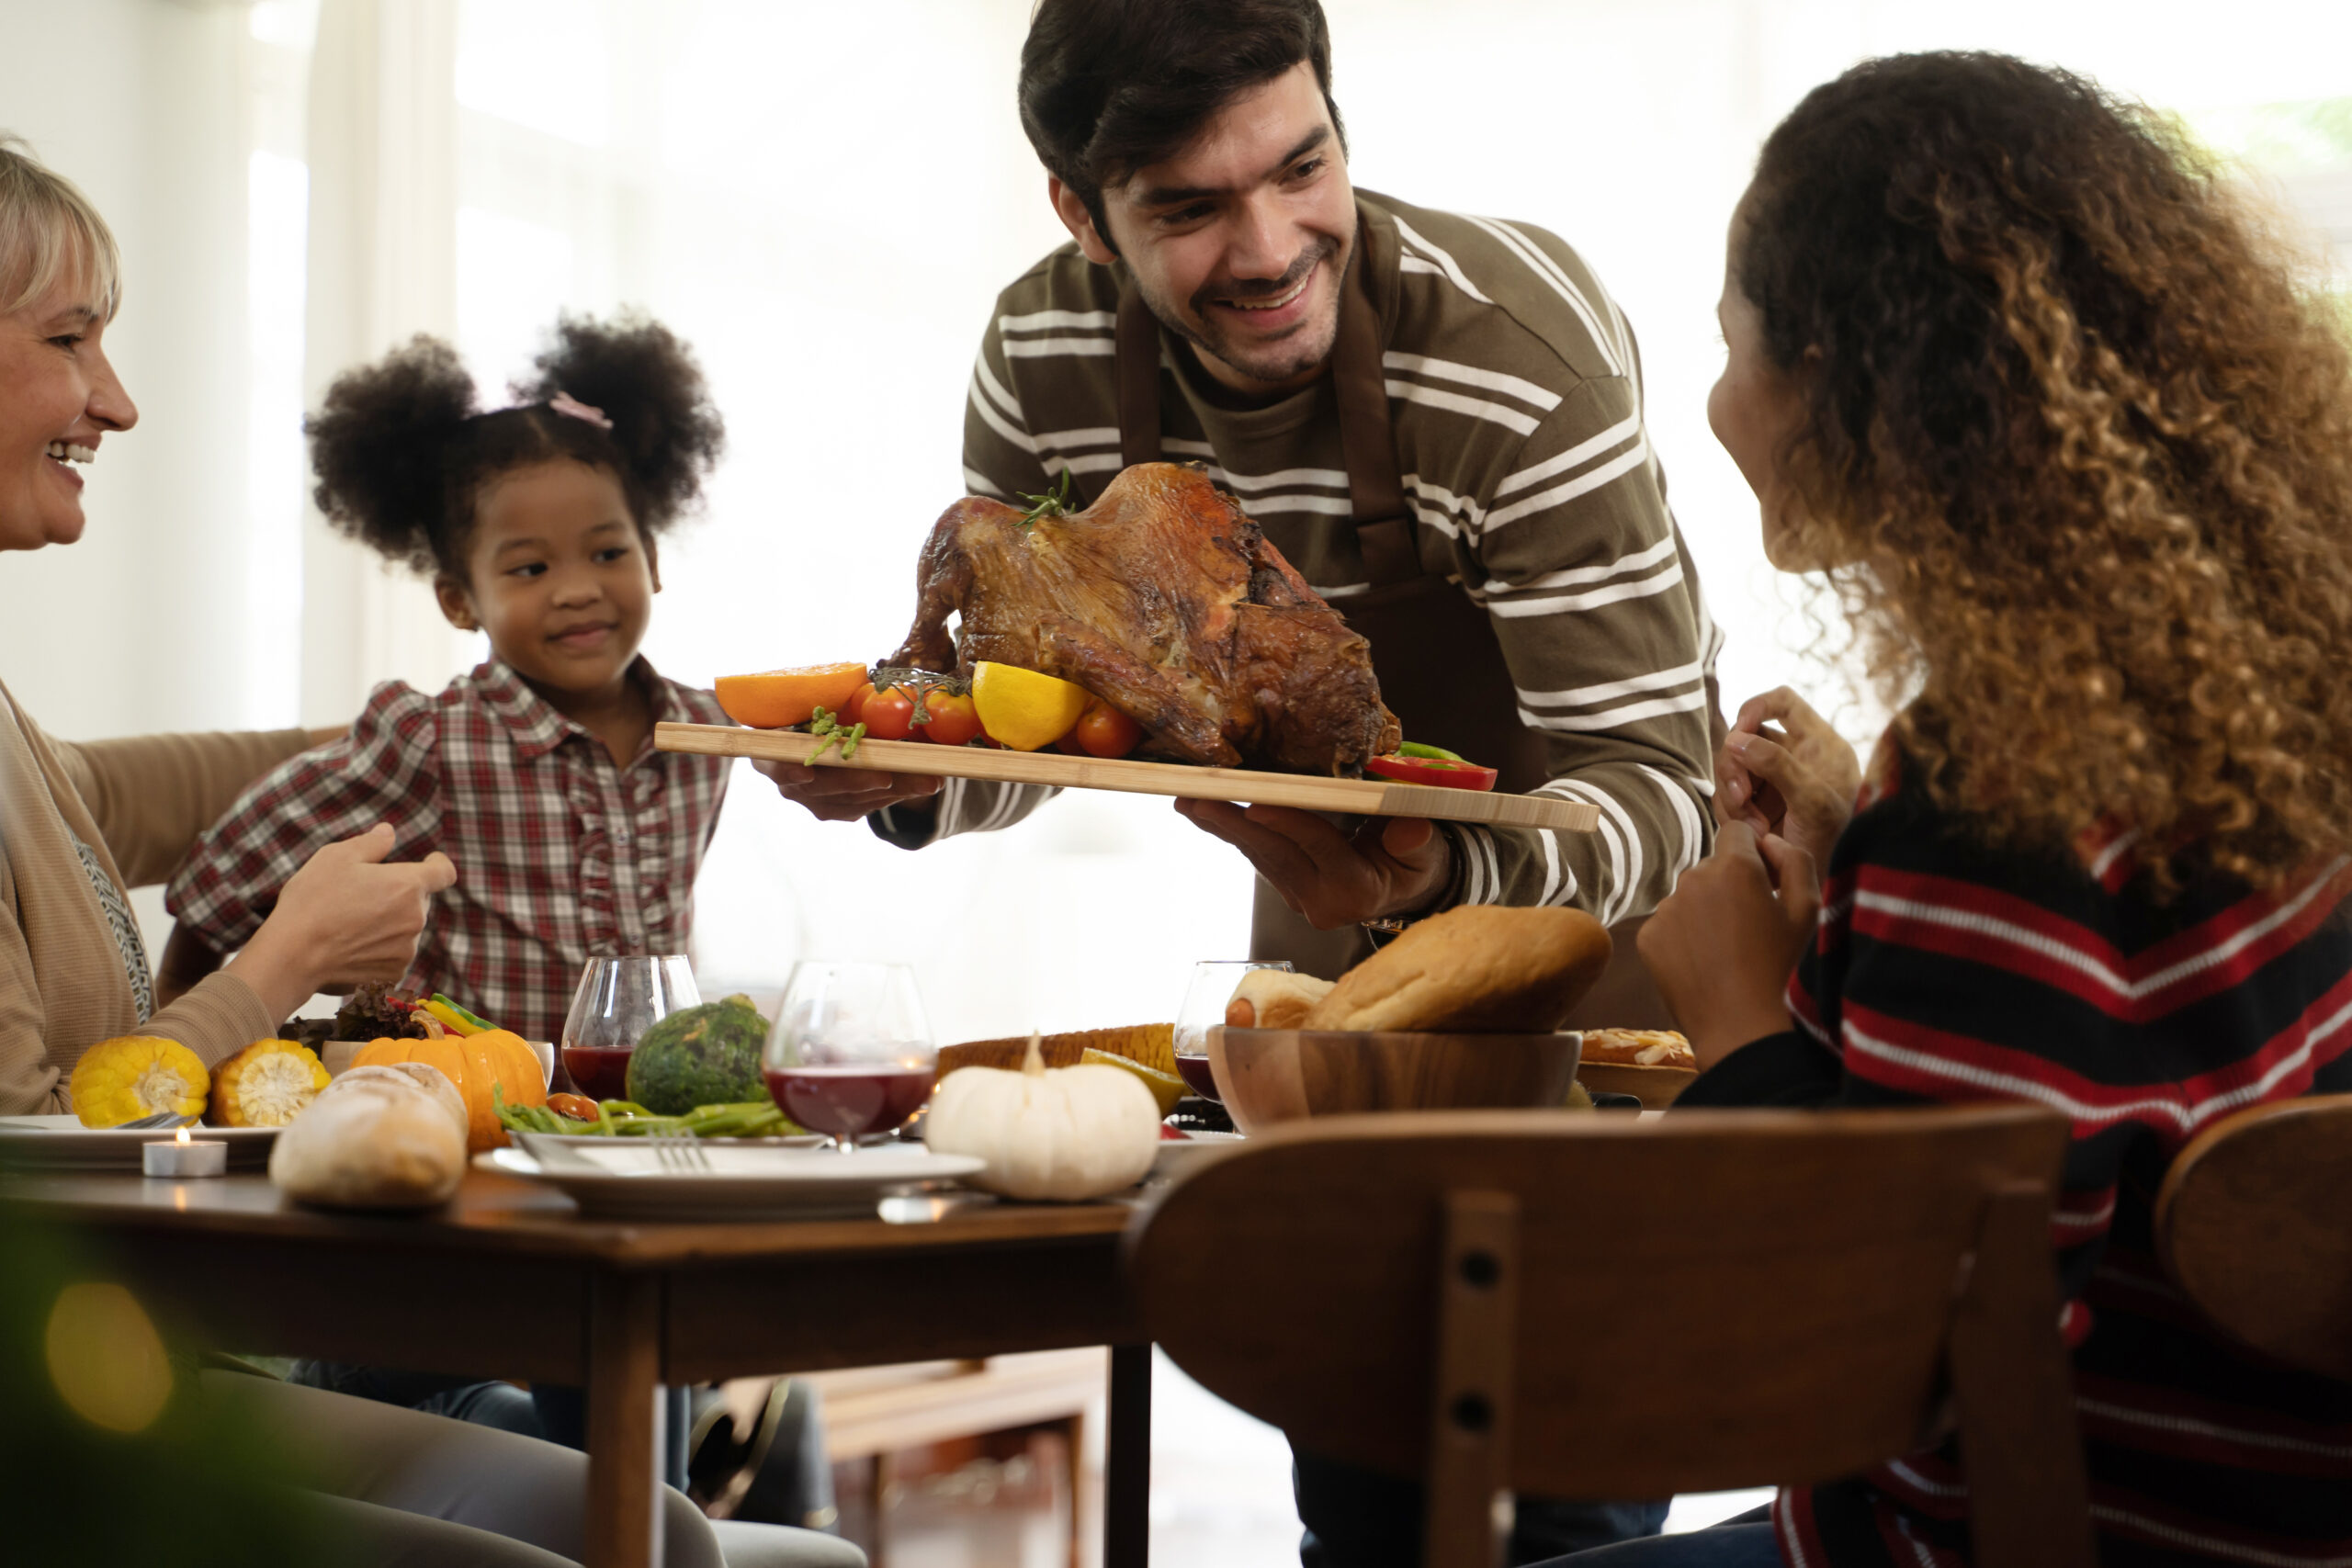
[1238, 242]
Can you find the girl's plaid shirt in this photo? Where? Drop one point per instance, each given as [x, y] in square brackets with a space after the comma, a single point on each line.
[561, 854]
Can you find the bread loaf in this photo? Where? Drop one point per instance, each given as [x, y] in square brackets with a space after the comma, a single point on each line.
[1274, 998]
[378, 1137]
[1476, 969]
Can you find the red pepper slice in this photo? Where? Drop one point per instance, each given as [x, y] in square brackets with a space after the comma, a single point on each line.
[1433, 771]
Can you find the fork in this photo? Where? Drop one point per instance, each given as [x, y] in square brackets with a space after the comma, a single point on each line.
[680, 1152]
[164, 1121]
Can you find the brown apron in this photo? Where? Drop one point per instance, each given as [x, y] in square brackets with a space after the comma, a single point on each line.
[1440, 670]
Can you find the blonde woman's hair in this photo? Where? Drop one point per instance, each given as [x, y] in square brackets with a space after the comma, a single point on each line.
[49, 230]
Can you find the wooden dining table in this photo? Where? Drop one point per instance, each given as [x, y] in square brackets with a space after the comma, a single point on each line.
[511, 1281]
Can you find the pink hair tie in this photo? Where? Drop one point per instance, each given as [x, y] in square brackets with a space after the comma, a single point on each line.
[570, 407]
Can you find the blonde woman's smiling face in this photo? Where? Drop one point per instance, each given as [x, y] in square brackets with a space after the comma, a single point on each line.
[59, 399]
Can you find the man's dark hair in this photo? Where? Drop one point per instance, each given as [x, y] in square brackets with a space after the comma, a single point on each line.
[1111, 87]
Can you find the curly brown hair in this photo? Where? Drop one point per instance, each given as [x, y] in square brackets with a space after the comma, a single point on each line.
[2082, 426]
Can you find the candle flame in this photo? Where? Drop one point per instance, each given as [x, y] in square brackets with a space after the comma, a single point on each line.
[181, 1136]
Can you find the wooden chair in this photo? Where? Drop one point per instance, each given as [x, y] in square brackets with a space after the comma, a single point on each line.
[2251, 1223]
[1588, 1307]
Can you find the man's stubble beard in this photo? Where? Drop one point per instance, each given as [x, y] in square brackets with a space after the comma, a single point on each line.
[1309, 344]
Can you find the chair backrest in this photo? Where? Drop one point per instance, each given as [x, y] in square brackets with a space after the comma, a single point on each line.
[2255, 1223]
[1588, 1307]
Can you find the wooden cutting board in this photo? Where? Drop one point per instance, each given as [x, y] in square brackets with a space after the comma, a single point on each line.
[1364, 797]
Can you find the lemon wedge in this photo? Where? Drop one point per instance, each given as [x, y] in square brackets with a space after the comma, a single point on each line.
[1166, 1088]
[1023, 709]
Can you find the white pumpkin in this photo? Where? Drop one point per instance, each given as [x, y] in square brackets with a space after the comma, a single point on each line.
[1066, 1133]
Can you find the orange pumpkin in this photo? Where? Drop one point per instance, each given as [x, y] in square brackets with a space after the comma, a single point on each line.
[474, 1062]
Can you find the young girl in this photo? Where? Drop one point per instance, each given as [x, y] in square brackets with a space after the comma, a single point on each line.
[536, 774]
[2007, 362]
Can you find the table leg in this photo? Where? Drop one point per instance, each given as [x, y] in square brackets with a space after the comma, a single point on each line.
[625, 1420]
[1126, 1483]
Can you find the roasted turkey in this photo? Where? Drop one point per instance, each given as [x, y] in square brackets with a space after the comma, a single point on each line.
[1165, 601]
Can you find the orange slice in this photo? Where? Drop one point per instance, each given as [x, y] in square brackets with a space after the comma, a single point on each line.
[775, 699]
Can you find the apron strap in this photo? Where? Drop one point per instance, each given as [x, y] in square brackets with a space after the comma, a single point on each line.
[1358, 387]
[1138, 343]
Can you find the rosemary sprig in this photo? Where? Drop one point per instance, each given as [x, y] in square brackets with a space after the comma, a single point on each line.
[1055, 502]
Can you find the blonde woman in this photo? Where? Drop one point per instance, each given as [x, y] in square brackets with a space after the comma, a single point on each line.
[79, 823]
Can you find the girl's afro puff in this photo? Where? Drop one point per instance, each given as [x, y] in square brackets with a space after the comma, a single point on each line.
[402, 452]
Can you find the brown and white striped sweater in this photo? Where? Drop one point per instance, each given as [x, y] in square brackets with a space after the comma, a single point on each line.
[1515, 394]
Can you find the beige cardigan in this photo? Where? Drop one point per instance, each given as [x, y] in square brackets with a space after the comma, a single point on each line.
[139, 803]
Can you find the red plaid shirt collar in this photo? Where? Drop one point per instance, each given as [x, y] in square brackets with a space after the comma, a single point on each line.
[540, 728]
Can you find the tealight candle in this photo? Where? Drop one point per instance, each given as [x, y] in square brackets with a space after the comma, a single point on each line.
[185, 1155]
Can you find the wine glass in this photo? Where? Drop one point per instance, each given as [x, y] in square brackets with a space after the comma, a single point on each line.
[851, 1052]
[1204, 1010]
[617, 1001]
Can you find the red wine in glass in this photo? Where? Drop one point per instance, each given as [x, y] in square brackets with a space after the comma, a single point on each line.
[600, 1071]
[849, 1101]
[1197, 1076]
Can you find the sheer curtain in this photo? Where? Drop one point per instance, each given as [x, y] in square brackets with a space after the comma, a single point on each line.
[382, 140]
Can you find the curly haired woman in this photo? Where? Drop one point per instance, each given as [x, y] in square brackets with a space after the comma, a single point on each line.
[2010, 363]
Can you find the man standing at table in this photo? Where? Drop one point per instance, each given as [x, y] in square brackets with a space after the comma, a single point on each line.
[1436, 418]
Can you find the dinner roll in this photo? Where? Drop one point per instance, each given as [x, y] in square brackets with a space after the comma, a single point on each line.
[378, 1137]
[1477, 969]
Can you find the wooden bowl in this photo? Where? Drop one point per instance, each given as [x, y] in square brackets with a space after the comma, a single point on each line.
[1265, 1076]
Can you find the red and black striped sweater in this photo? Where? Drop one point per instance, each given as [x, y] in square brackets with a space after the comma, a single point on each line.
[1945, 970]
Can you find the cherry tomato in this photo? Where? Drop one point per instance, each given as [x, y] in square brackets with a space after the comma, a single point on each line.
[1103, 731]
[953, 719]
[854, 709]
[578, 1106]
[1068, 745]
[888, 715]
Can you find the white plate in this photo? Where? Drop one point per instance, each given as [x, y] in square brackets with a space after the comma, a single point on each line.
[550, 1148]
[61, 1143]
[624, 1178]
[1178, 1153]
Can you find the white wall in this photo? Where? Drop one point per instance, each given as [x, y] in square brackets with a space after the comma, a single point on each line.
[147, 624]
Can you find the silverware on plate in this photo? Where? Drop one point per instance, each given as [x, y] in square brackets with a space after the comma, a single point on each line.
[163, 1121]
[680, 1153]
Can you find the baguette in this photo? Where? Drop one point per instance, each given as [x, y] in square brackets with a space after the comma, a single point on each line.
[1476, 969]
[378, 1137]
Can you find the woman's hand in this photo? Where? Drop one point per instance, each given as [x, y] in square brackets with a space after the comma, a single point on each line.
[1722, 944]
[345, 917]
[1388, 867]
[1785, 771]
[846, 794]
